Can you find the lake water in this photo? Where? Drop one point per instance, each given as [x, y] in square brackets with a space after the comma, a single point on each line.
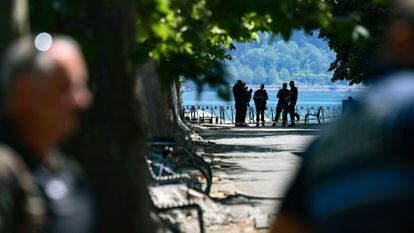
[306, 98]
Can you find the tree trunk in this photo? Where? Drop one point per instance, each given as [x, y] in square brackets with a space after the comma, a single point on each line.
[182, 128]
[153, 98]
[13, 21]
[112, 144]
[160, 105]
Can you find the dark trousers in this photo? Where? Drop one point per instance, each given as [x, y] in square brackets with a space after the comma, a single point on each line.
[260, 114]
[241, 109]
[244, 114]
[279, 110]
[292, 108]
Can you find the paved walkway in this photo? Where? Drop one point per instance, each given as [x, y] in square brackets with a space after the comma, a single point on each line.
[253, 166]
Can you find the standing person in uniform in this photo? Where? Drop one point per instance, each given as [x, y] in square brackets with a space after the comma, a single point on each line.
[43, 89]
[239, 99]
[260, 100]
[293, 98]
[247, 98]
[282, 105]
[358, 176]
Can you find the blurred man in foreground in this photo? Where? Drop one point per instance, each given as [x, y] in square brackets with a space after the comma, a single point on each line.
[359, 175]
[43, 87]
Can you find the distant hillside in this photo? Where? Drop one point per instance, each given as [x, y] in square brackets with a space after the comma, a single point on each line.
[305, 59]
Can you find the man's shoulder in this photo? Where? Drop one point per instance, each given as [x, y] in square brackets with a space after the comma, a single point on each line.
[393, 93]
[63, 162]
[20, 197]
[11, 163]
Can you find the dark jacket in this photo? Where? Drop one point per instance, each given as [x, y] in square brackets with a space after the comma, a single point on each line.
[35, 199]
[260, 98]
[239, 93]
[293, 94]
[283, 96]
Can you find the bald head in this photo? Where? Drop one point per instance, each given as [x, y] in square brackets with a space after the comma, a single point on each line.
[24, 58]
[65, 53]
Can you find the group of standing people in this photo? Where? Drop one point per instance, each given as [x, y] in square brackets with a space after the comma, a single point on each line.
[287, 99]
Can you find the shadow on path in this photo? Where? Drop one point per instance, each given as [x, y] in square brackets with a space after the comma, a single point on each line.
[224, 149]
[254, 132]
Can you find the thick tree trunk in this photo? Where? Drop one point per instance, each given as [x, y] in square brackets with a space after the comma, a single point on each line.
[112, 144]
[156, 117]
[182, 128]
[160, 105]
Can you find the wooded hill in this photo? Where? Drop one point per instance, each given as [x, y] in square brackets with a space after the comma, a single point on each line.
[271, 60]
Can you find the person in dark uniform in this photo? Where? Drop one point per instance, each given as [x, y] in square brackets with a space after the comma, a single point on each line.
[239, 99]
[282, 105]
[247, 98]
[260, 100]
[43, 89]
[293, 98]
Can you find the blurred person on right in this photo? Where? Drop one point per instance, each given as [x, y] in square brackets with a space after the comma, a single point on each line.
[358, 176]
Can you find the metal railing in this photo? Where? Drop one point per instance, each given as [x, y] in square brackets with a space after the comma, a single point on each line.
[225, 114]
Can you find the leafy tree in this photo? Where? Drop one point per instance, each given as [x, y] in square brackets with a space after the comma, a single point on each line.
[273, 76]
[191, 37]
[246, 74]
[285, 75]
[260, 75]
[352, 58]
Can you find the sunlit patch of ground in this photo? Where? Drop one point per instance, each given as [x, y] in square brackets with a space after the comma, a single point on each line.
[253, 166]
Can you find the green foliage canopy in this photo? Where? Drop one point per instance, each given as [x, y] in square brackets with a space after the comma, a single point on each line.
[354, 53]
[192, 38]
